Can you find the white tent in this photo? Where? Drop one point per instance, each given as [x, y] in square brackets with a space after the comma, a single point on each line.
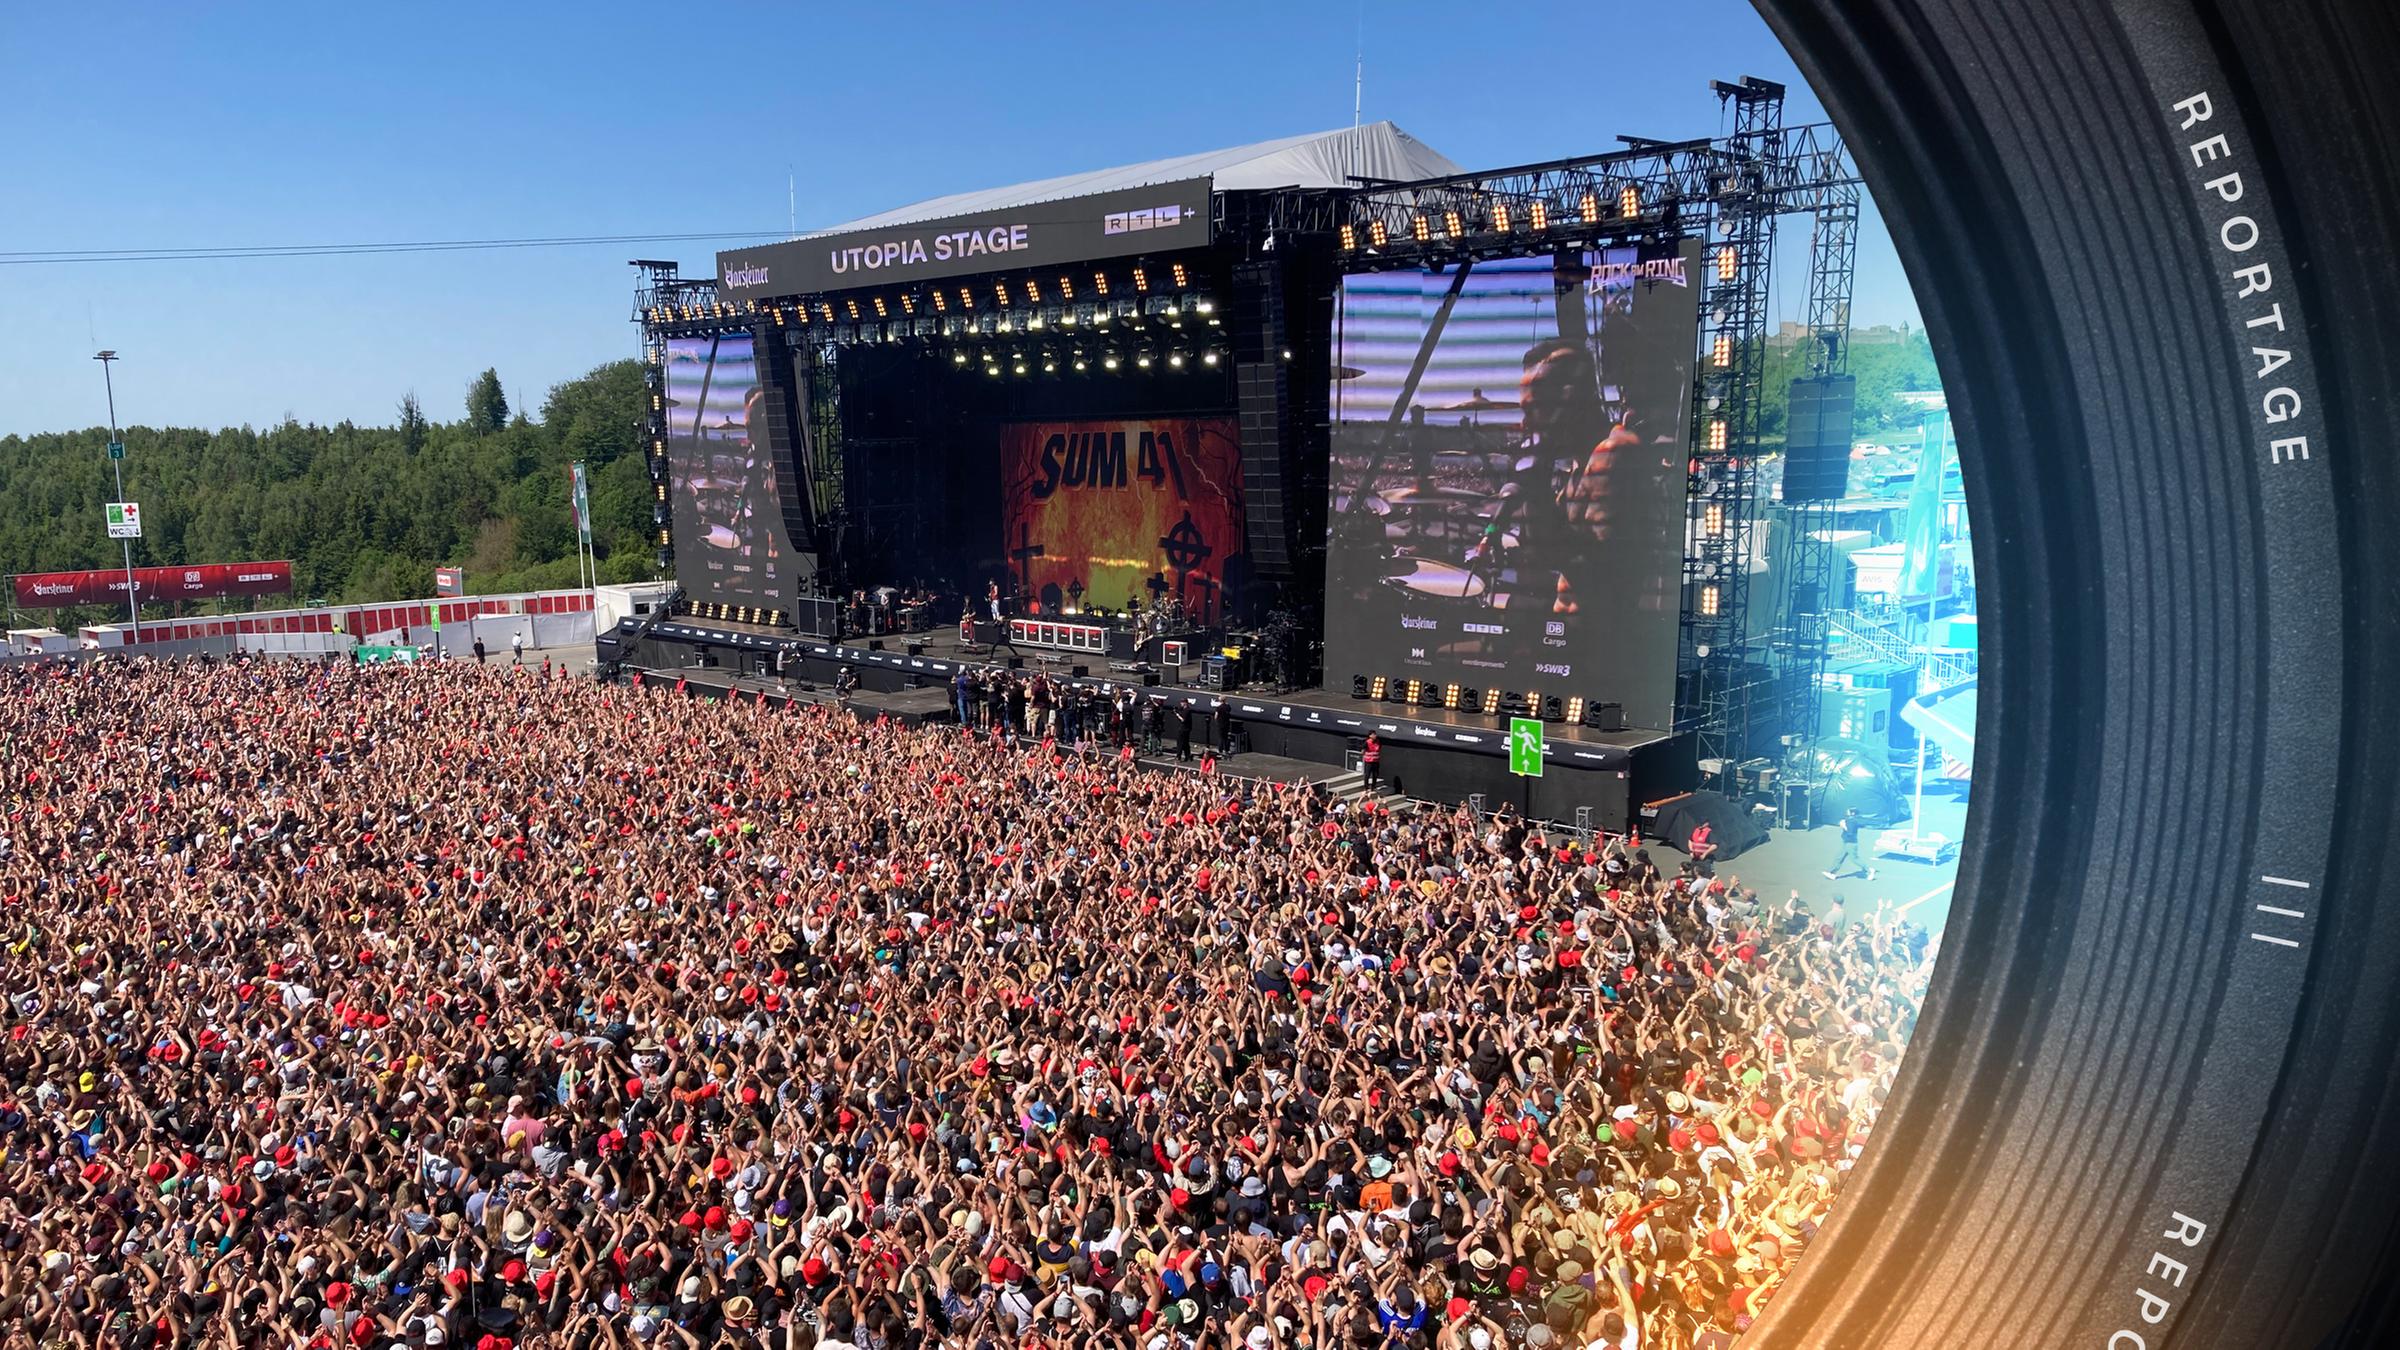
[1322, 159]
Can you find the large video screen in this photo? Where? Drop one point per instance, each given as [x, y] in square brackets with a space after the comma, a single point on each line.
[1104, 515]
[1508, 475]
[730, 544]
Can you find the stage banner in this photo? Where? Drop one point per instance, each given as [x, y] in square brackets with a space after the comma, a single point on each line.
[206, 581]
[1154, 219]
[1099, 514]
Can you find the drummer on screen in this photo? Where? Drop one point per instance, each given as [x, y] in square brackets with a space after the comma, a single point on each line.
[1558, 524]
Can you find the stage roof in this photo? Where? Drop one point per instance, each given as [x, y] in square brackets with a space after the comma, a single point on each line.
[1320, 159]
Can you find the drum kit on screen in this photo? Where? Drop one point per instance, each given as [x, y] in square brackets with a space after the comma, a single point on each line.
[1428, 513]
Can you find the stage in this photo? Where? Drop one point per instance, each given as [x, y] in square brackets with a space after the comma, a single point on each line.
[1431, 753]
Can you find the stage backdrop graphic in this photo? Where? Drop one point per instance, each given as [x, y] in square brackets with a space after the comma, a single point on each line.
[730, 544]
[1508, 479]
[1112, 505]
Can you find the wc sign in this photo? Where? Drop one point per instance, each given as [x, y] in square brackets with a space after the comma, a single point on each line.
[124, 520]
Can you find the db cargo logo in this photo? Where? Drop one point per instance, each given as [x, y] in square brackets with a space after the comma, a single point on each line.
[193, 578]
[746, 276]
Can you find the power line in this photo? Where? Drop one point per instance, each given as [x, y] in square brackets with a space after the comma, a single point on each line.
[40, 256]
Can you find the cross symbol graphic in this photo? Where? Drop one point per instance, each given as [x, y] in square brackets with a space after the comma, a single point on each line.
[1024, 554]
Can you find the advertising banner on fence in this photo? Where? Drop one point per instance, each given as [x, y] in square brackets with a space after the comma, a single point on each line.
[449, 581]
[204, 581]
[1107, 513]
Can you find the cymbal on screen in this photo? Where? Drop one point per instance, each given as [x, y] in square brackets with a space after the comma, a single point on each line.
[1478, 403]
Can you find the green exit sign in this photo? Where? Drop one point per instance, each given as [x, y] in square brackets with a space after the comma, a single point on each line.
[1525, 747]
[116, 449]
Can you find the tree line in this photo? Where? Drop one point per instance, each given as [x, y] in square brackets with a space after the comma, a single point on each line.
[363, 513]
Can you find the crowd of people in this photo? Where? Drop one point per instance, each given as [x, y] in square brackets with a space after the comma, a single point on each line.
[447, 1005]
[1082, 717]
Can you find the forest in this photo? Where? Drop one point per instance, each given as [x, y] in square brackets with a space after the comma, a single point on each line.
[363, 513]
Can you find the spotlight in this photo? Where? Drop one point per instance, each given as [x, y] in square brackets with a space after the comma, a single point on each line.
[1409, 696]
[1049, 364]
[1349, 238]
[1716, 434]
[1714, 517]
[1491, 702]
[1553, 710]
[1358, 686]
[989, 367]
[1205, 306]
[1033, 290]
[880, 311]
[1018, 366]
[1541, 215]
[1141, 279]
[1500, 220]
[1079, 363]
[1575, 710]
[1591, 209]
[1419, 230]
[1143, 360]
[1181, 277]
[1109, 362]
[1066, 287]
[1450, 696]
[1709, 599]
[1209, 360]
[958, 358]
[1100, 282]
[1176, 360]
[1721, 352]
[1452, 225]
[1376, 691]
[1629, 202]
[1376, 232]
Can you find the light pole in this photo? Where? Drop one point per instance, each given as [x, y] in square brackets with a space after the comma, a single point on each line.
[116, 463]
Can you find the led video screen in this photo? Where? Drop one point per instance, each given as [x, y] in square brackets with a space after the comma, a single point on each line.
[730, 544]
[1107, 515]
[1508, 477]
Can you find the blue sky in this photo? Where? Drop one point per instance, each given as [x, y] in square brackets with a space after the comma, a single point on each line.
[188, 125]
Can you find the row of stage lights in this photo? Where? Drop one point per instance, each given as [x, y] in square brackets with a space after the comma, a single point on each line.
[773, 618]
[1050, 362]
[960, 308]
[1499, 216]
[1494, 702]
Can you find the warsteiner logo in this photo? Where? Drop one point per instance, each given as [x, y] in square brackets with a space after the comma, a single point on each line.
[746, 276]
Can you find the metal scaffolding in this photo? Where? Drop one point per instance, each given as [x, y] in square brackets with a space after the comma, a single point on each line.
[1798, 646]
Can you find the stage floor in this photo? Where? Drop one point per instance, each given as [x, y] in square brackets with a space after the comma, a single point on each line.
[941, 652]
